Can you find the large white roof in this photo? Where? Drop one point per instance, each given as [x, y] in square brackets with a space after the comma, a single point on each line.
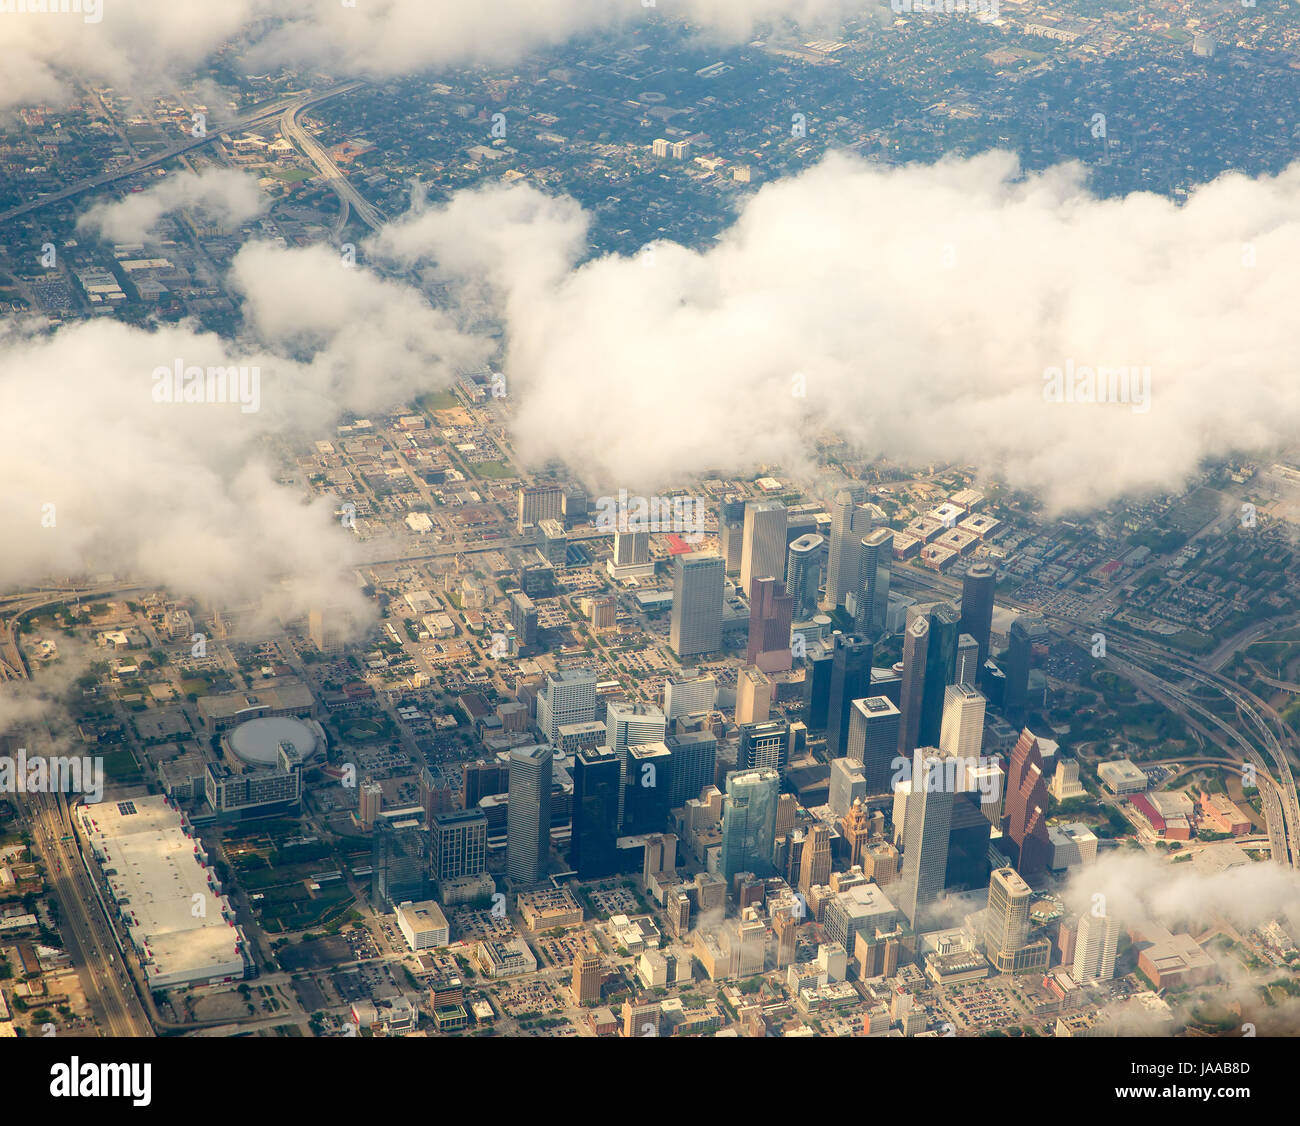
[177, 917]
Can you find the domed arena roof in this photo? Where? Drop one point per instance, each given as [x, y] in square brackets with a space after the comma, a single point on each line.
[257, 742]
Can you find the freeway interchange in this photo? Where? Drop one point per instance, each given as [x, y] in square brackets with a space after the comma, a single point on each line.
[1137, 659]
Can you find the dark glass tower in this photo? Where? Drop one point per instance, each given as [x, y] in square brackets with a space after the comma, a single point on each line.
[401, 865]
[817, 689]
[1026, 649]
[593, 849]
[977, 589]
[850, 680]
[693, 758]
[929, 666]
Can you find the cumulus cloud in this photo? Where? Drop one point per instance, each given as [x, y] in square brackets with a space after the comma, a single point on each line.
[916, 311]
[149, 44]
[366, 342]
[105, 474]
[1141, 889]
[220, 194]
[174, 491]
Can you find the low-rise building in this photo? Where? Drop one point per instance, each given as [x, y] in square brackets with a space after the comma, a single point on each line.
[552, 907]
[1073, 845]
[1122, 776]
[423, 925]
[1170, 960]
[505, 958]
[1220, 815]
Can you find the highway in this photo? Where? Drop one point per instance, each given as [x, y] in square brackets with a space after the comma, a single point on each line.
[352, 199]
[1133, 657]
[15, 606]
[90, 943]
[281, 106]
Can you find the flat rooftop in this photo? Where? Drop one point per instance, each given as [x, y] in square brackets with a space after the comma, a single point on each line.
[156, 875]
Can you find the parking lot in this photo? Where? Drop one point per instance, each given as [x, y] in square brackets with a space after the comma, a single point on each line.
[471, 926]
[979, 1006]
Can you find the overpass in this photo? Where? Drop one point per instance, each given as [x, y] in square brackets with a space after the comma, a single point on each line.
[291, 103]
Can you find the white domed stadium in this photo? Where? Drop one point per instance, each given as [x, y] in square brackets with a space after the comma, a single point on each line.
[257, 742]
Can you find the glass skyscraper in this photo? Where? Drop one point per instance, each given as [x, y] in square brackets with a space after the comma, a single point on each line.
[749, 822]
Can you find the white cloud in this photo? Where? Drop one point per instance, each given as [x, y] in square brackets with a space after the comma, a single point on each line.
[219, 194]
[186, 494]
[921, 305]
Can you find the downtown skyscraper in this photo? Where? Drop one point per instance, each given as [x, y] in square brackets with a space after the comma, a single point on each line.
[593, 843]
[1095, 945]
[770, 610]
[929, 666]
[961, 731]
[977, 589]
[695, 627]
[749, 822]
[731, 532]
[1007, 925]
[803, 569]
[872, 589]
[528, 816]
[873, 741]
[850, 521]
[1027, 649]
[629, 723]
[926, 825]
[1026, 808]
[850, 680]
[763, 549]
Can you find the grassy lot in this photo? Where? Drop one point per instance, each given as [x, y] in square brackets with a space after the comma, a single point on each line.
[120, 766]
[494, 469]
[439, 401]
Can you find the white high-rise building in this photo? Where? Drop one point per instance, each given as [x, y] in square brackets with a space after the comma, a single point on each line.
[568, 696]
[925, 836]
[1073, 845]
[961, 730]
[631, 556]
[1065, 782]
[1095, 947]
[539, 502]
[629, 724]
[762, 552]
[688, 696]
[847, 783]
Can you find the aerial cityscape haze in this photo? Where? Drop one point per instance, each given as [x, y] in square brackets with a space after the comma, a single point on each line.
[651, 518]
